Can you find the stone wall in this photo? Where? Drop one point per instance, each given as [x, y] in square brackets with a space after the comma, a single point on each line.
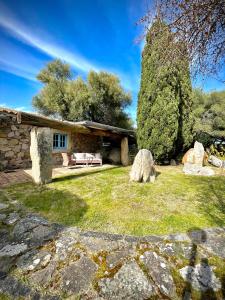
[86, 143]
[14, 143]
[57, 158]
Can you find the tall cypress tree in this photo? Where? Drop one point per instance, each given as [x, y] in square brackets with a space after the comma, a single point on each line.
[164, 101]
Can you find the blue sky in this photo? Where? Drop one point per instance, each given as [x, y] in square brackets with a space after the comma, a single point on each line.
[88, 34]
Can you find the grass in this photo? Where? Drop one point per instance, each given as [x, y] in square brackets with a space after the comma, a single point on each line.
[105, 200]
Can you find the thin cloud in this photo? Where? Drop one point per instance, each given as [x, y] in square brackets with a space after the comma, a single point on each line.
[19, 31]
[18, 61]
[22, 33]
[15, 70]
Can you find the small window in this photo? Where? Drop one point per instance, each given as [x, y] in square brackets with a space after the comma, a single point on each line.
[59, 141]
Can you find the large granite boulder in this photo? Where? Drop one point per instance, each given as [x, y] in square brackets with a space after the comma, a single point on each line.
[41, 154]
[199, 153]
[193, 161]
[195, 155]
[188, 157]
[143, 169]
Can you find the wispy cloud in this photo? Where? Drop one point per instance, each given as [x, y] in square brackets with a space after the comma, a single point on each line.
[24, 34]
[16, 70]
[18, 61]
[45, 44]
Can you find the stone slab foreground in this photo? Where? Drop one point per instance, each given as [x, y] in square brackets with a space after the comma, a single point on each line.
[43, 260]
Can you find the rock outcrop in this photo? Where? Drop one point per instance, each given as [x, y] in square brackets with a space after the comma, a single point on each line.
[195, 155]
[143, 169]
[193, 161]
[192, 169]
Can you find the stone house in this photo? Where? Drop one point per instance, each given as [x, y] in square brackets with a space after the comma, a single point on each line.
[84, 136]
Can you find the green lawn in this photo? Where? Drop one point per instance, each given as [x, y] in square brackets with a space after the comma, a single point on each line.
[105, 200]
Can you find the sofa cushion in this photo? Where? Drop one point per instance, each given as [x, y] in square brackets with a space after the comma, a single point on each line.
[79, 155]
[98, 155]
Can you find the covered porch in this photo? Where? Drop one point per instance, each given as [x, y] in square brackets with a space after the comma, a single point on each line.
[112, 143]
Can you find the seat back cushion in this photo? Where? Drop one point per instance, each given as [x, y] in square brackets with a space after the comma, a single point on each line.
[98, 155]
[79, 155]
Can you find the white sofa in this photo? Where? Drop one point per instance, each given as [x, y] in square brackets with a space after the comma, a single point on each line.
[86, 158]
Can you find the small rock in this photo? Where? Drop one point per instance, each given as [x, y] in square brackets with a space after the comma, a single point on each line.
[34, 260]
[3, 206]
[159, 271]
[95, 244]
[117, 257]
[44, 276]
[64, 246]
[13, 249]
[28, 224]
[6, 263]
[78, 276]
[129, 283]
[173, 162]
[13, 287]
[12, 219]
[11, 134]
[215, 244]
[13, 127]
[2, 217]
[215, 161]
[35, 230]
[175, 249]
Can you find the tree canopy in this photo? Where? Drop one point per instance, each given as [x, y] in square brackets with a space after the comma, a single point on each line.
[100, 98]
[164, 101]
[209, 113]
[197, 24]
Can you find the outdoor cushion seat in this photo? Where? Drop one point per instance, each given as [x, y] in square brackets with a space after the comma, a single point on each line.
[87, 158]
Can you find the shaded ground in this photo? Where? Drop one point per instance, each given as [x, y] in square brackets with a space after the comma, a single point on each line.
[105, 200]
[13, 177]
[43, 260]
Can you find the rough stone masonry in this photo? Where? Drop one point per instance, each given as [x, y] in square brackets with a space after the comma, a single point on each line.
[43, 260]
[14, 143]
